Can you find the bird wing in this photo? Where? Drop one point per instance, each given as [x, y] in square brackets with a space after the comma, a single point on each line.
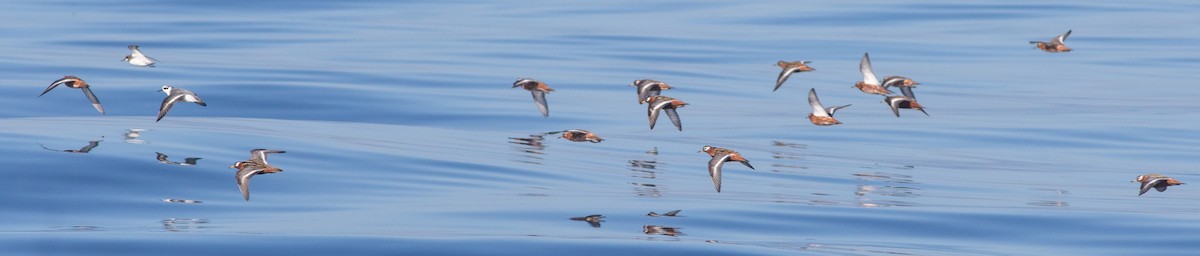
[907, 91]
[783, 76]
[522, 81]
[92, 97]
[864, 66]
[1060, 38]
[714, 169]
[674, 118]
[646, 89]
[818, 109]
[136, 52]
[654, 109]
[832, 110]
[194, 98]
[167, 103]
[539, 97]
[260, 155]
[1152, 184]
[243, 181]
[63, 80]
[894, 103]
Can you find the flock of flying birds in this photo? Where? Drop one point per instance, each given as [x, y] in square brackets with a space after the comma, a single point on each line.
[648, 92]
[257, 164]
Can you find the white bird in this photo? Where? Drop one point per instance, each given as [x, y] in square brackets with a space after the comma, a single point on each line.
[176, 95]
[138, 59]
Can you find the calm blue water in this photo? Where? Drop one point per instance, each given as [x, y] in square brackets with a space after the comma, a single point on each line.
[404, 136]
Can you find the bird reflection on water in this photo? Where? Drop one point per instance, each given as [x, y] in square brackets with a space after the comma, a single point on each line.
[84, 150]
[674, 213]
[644, 169]
[183, 224]
[162, 158]
[594, 220]
[531, 146]
[1058, 198]
[790, 157]
[132, 135]
[889, 185]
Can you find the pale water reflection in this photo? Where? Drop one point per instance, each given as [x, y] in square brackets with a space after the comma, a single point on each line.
[132, 136]
[184, 224]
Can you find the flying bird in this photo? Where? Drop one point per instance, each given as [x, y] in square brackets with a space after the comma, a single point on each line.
[539, 90]
[75, 82]
[719, 157]
[175, 94]
[788, 69]
[255, 166]
[1055, 45]
[821, 115]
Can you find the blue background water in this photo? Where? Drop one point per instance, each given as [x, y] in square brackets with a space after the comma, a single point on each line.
[404, 136]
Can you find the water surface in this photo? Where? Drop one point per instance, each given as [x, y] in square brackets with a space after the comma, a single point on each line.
[404, 136]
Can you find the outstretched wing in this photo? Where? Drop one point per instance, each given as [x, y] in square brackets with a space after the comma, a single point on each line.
[646, 89]
[1060, 38]
[832, 110]
[92, 97]
[907, 91]
[260, 155]
[894, 103]
[56, 83]
[167, 103]
[783, 76]
[864, 66]
[818, 109]
[521, 82]
[539, 97]
[714, 169]
[654, 110]
[674, 118]
[1150, 184]
[243, 181]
